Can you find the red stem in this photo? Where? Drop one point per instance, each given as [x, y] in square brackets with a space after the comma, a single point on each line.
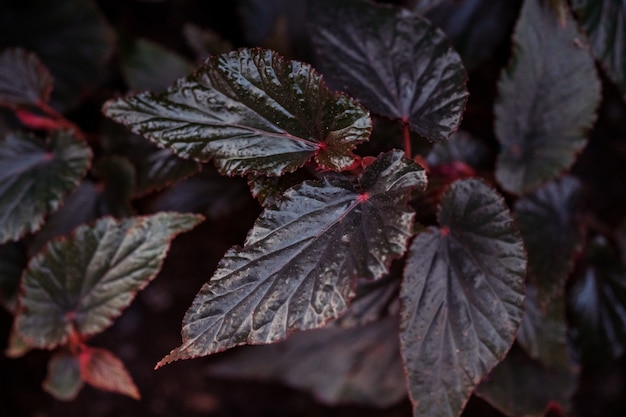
[407, 137]
[60, 119]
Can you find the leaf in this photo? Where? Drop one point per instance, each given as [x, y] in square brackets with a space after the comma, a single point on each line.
[103, 370]
[252, 112]
[12, 262]
[35, 176]
[422, 6]
[393, 61]
[72, 39]
[147, 65]
[549, 225]
[63, 381]
[598, 305]
[521, 387]
[24, 80]
[16, 346]
[301, 260]
[604, 22]
[359, 365]
[270, 190]
[461, 298]
[461, 147]
[374, 301]
[548, 96]
[205, 42]
[543, 332]
[117, 182]
[83, 282]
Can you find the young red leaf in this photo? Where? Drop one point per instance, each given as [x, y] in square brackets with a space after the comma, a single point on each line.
[64, 379]
[548, 96]
[393, 61]
[35, 176]
[103, 370]
[301, 260]
[81, 283]
[461, 298]
[251, 111]
[24, 80]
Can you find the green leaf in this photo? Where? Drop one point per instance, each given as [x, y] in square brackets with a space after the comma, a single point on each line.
[461, 298]
[35, 176]
[604, 22]
[63, 381]
[103, 370]
[148, 66]
[549, 225]
[82, 283]
[12, 262]
[301, 260]
[393, 61]
[72, 38]
[252, 112]
[24, 80]
[548, 96]
[521, 387]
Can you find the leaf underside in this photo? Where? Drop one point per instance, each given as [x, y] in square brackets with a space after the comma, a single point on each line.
[35, 176]
[548, 96]
[24, 80]
[63, 380]
[82, 283]
[393, 61]
[461, 298]
[300, 262]
[251, 111]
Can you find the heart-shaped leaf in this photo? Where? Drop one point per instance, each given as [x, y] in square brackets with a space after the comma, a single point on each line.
[604, 21]
[393, 61]
[252, 112]
[24, 80]
[461, 298]
[548, 222]
[63, 381]
[102, 369]
[301, 260]
[81, 283]
[548, 96]
[35, 176]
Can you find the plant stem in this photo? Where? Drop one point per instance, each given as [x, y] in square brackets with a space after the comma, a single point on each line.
[407, 137]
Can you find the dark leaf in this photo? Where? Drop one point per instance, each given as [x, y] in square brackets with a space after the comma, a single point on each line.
[548, 222]
[205, 42]
[461, 147]
[270, 190]
[422, 6]
[301, 260]
[374, 301]
[598, 305]
[103, 370]
[604, 21]
[12, 262]
[359, 365]
[461, 298]
[72, 39]
[475, 27]
[522, 387]
[148, 66]
[393, 61]
[35, 176]
[82, 283]
[252, 112]
[117, 177]
[543, 332]
[548, 96]
[63, 380]
[24, 80]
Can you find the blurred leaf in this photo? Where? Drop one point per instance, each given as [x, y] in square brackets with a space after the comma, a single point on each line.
[604, 22]
[17, 346]
[461, 298]
[148, 66]
[24, 80]
[63, 380]
[117, 177]
[461, 147]
[521, 387]
[359, 365]
[71, 37]
[35, 176]
[252, 112]
[300, 262]
[549, 225]
[422, 6]
[12, 262]
[598, 305]
[374, 301]
[205, 42]
[103, 370]
[81, 283]
[548, 96]
[393, 61]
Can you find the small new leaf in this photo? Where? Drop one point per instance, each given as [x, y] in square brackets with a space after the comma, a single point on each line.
[301, 260]
[82, 282]
[102, 369]
[461, 298]
[63, 381]
[24, 80]
[251, 111]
